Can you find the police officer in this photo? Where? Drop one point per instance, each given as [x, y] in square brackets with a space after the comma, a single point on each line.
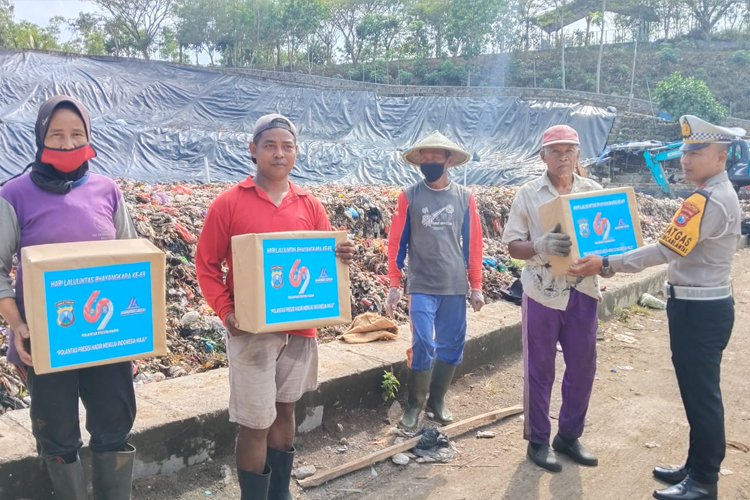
[699, 245]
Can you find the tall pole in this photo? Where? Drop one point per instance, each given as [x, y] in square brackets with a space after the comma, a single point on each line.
[632, 76]
[562, 39]
[601, 48]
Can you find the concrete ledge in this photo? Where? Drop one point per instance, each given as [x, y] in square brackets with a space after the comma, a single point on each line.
[182, 422]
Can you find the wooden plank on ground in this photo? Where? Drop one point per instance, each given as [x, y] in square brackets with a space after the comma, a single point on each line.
[452, 430]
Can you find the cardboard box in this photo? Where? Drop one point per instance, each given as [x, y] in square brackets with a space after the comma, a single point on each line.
[602, 222]
[94, 303]
[289, 281]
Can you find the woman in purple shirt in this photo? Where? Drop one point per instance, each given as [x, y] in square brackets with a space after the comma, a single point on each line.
[60, 201]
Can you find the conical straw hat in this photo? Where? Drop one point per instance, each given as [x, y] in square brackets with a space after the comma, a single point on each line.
[436, 140]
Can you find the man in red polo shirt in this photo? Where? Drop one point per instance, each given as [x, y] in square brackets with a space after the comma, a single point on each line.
[268, 373]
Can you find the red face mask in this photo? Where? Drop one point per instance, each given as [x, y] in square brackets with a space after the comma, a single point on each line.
[68, 160]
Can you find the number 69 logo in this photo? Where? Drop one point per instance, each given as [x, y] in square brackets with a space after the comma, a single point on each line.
[94, 313]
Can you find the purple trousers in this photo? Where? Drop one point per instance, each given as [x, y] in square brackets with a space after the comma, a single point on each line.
[575, 329]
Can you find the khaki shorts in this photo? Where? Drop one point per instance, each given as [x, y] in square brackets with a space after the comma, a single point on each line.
[267, 368]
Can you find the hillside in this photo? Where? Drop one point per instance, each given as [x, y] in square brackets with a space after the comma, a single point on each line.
[724, 66]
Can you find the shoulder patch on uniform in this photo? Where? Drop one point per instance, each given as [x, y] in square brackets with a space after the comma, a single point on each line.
[682, 234]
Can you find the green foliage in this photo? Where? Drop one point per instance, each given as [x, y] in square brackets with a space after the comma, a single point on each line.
[432, 78]
[668, 54]
[622, 315]
[420, 68]
[623, 69]
[552, 83]
[170, 47]
[405, 77]
[680, 95]
[26, 35]
[701, 74]
[378, 75]
[389, 385]
[521, 73]
[741, 57]
[137, 23]
[91, 38]
[450, 74]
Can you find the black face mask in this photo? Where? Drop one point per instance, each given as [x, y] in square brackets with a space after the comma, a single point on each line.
[432, 171]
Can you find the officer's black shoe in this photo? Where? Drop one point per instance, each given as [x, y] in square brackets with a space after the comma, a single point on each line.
[671, 476]
[688, 490]
[575, 450]
[543, 456]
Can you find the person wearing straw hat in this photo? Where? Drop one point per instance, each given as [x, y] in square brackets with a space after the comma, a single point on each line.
[698, 245]
[554, 308]
[436, 224]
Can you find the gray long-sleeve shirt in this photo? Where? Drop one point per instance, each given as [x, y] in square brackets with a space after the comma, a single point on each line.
[714, 221]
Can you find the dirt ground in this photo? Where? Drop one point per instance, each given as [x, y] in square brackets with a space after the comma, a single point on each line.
[635, 421]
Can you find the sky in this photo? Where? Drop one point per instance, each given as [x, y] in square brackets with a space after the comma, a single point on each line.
[41, 11]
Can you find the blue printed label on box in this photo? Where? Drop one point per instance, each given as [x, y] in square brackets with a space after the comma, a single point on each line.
[603, 224]
[301, 281]
[99, 313]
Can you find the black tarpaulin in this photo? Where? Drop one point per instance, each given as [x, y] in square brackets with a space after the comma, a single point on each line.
[158, 122]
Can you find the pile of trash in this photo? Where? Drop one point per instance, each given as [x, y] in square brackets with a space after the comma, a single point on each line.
[655, 215]
[171, 216]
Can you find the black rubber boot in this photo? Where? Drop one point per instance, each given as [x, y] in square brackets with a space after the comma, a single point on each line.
[112, 474]
[67, 480]
[254, 486]
[281, 472]
[442, 376]
[419, 384]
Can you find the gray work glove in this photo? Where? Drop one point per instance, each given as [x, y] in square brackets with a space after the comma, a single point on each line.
[553, 243]
[391, 302]
[476, 299]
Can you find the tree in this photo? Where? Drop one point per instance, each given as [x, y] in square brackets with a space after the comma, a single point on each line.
[91, 37]
[347, 15]
[526, 13]
[669, 11]
[239, 21]
[299, 20]
[26, 35]
[141, 20]
[470, 25]
[6, 23]
[708, 13]
[602, 20]
[169, 50]
[435, 14]
[560, 6]
[327, 33]
[680, 95]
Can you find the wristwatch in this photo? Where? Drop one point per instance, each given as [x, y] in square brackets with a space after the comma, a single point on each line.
[606, 271]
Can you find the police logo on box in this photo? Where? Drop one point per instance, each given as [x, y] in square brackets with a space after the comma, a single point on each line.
[583, 227]
[65, 315]
[277, 277]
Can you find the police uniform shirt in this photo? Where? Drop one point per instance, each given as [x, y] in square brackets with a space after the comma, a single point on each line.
[700, 241]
